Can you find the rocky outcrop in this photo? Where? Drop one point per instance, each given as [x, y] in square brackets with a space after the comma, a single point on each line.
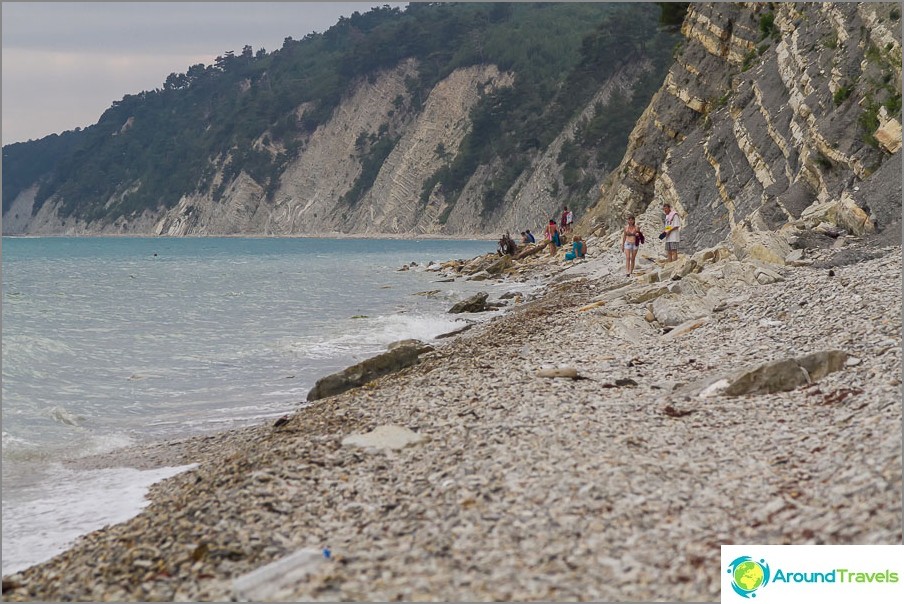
[476, 303]
[781, 375]
[773, 119]
[391, 361]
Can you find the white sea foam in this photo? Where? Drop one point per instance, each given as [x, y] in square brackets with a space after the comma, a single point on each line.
[44, 520]
[374, 334]
[61, 415]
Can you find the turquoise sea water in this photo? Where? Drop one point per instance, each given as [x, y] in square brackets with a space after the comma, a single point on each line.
[112, 341]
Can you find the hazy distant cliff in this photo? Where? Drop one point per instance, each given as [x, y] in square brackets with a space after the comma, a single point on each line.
[773, 117]
[445, 119]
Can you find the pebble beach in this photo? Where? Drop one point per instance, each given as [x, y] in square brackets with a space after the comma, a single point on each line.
[587, 444]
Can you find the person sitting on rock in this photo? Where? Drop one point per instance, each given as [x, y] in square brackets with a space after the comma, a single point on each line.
[578, 249]
[507, 245]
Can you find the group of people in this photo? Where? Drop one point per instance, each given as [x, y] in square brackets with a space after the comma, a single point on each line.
[632, 238]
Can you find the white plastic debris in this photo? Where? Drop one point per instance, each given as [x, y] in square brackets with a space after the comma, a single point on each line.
[273, 582]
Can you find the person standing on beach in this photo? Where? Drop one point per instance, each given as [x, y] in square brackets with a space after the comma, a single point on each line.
[552, 236]
[672, 236]
[563, 221]
[630, 243]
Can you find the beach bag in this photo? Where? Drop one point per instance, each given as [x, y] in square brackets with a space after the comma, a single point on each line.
[556, 239]
[640, 237]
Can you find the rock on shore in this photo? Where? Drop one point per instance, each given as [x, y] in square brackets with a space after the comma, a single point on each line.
[620, 486]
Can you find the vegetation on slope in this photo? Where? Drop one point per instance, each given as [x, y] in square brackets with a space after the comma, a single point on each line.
[240, 113]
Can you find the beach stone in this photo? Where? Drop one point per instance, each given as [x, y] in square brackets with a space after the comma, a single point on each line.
[672, 310]
[684, 266]
[476, 303]
[411, 342]
[646, 294]
[500, 265]
[766, 246]
[838, 216]
[630, 327]
[558, 372]
[365, 371]
[478, 264]
[712, 254]
[685, 328]
[387, 436]
[734, 271]
[591, 306]
[775, 376]
[765, 276]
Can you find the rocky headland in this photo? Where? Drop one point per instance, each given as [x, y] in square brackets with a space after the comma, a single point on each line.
[597, 441]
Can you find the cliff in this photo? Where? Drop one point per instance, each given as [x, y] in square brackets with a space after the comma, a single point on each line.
[774, 118]
[310, 196]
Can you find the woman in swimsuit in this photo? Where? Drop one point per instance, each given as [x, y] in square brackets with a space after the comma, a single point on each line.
[552, 235]
[630, 245]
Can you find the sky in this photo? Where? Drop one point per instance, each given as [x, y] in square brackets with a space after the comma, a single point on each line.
[64, 63]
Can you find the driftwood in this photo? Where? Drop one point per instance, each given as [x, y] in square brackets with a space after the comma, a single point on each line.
[530, 250]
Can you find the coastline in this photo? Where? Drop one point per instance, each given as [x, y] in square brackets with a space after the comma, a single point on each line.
[336, 235]
[535, 488]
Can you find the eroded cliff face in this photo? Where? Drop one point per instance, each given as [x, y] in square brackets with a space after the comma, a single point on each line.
[314, 190]
[773, 118]
[324, 190]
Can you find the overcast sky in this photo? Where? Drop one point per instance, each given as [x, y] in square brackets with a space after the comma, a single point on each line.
[64, 63]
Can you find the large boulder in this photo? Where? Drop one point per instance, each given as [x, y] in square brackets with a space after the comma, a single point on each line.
[476, 303]
[766, 246]
[672, 310]
[843, 213]
[500, 265]
[357, 375]
[775, 376]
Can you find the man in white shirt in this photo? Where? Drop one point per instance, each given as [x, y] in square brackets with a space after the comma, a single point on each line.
[672, 236]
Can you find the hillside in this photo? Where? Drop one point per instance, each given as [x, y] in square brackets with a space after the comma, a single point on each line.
[443, 118]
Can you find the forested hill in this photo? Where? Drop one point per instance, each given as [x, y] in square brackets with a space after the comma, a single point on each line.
[441, 118]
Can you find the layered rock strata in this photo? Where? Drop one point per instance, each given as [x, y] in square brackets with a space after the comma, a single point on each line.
[772, 113]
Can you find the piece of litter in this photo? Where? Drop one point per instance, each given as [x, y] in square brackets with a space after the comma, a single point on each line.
[274, 582]
[558, 372]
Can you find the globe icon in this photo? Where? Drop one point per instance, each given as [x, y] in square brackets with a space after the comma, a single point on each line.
[748, 575]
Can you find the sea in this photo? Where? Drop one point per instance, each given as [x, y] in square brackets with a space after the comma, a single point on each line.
[111, 342]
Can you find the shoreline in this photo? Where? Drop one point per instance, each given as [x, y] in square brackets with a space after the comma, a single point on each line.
[535, 488]
[375, 236]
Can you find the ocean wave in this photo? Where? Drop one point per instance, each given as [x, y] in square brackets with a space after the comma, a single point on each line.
[44, 520]
[372, 335]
